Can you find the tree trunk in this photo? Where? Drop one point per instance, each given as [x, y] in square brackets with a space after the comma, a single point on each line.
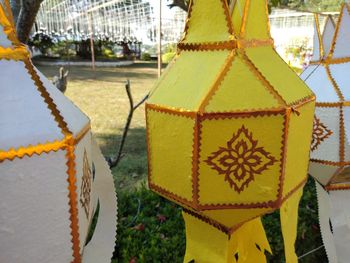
[26, 18]
[16, 8]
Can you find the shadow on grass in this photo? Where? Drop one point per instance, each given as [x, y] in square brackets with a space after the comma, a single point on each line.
[131, 172]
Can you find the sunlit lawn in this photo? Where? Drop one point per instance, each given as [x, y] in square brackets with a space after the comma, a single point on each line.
[101, 95]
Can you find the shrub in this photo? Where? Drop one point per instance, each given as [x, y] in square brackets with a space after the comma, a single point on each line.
[151, 229]
[146, 56]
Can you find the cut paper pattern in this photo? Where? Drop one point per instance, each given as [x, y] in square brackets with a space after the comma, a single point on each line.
[320, 133]
[241, 160]
[85, 191]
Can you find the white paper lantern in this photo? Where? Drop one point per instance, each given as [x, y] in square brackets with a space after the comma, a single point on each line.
[52, 174]
[329, 77]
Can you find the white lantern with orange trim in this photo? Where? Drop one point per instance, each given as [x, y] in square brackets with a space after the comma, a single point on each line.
[328, 76]
[52, 174]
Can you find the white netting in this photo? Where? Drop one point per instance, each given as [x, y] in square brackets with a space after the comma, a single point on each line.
[115, 19]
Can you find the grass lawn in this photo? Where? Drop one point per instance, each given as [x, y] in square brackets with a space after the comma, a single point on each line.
[102, 96]
[150, 229]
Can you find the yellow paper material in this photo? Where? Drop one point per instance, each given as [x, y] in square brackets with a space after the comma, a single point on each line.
[264, 186]
[164, 134]
[256, 20]
[201, 29]
[230, 97]
[250, 243]
[278, 74]
[232, 218]
[189, 80]
[298, 157]
[289, 222]
[207, 244]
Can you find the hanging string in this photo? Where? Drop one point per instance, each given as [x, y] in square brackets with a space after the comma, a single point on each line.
[310, 252]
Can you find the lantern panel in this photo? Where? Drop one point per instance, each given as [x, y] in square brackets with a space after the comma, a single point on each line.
[323, 173]
[189, 79]
[241, 159]
[317, 78]
[230, 96]
[232, 218]
[207, 23]
[40, 193]
[325, 142]
[296, 158]
[76, 120]
[341, 76]
[3, 39]
[237, 16]
[281, 77]
[170, 152]
[83, 167]
[22, 105]
[342, 39]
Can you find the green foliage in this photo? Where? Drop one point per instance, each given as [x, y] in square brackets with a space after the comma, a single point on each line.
[41, 41]
[143, 237]
[150, 229]
[146, 56]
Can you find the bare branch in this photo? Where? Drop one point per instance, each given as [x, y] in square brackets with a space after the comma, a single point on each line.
[113, 162]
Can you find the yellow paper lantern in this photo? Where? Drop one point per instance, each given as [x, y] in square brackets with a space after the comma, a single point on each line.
[229, 127]
[52, 173]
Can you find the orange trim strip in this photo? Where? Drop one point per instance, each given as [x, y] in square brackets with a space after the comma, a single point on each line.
[341, 136]
[18, 53]
[195, 161]
[224, 45]
[73, 203]
[336, 187]
[48, 100]
[172, 111]
[244, 19]
[333, 104]
[283, 160]
[334, 84]
[227, 16]
[82, 133]
[320, 40]
[331, 52]
[331, 163]
[31, 150]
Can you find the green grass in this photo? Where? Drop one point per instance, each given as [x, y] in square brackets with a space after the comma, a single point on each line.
[101, 95]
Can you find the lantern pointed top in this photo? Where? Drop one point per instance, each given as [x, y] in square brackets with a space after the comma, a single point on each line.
[250, 19]
[323, 41]
[208, 21]
[340, 43]
[7, 33]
